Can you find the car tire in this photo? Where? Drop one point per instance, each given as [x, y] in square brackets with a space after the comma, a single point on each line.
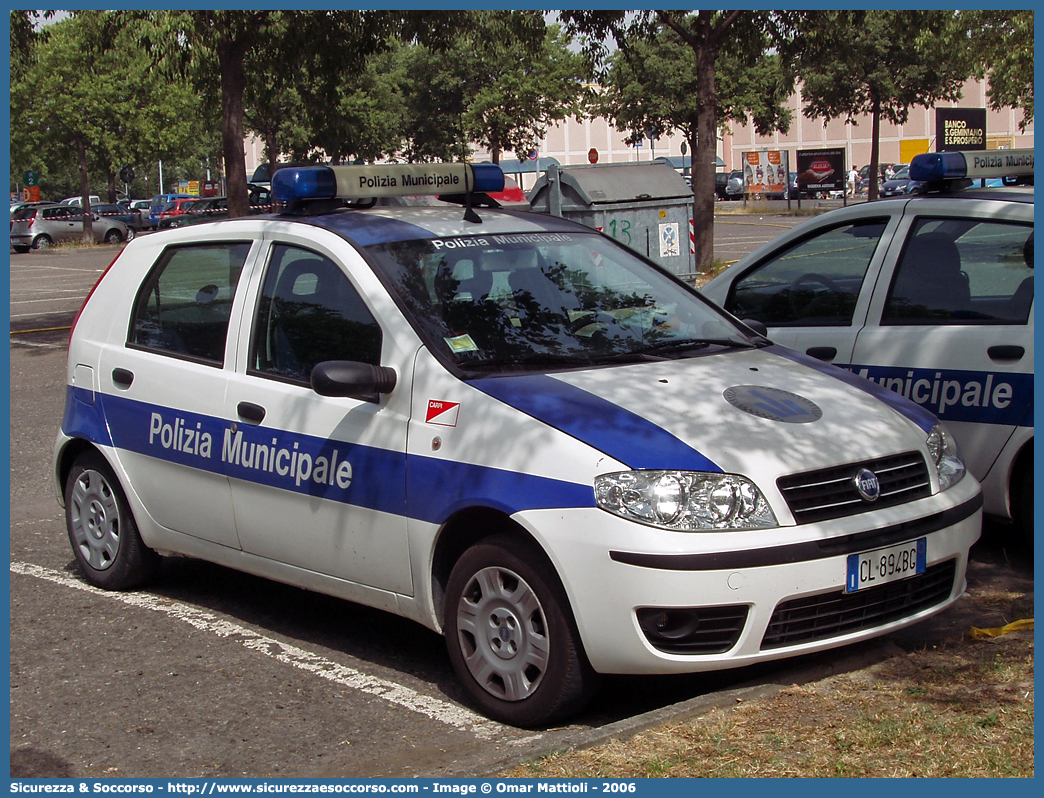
[101, 527]
[114, 236]
[21, 248]
[1024, 504]
[130, 233]
[42, 242]
[511, 635]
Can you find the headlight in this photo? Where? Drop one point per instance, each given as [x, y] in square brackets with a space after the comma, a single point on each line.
[946, 456]
[684, 500]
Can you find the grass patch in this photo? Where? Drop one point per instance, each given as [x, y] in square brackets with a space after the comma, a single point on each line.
[962, 709]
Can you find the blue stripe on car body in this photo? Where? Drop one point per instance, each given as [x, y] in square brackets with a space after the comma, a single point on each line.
[911, 410]
[419, 487]
[621, 434]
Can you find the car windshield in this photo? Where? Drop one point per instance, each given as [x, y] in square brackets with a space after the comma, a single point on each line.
[550, 300]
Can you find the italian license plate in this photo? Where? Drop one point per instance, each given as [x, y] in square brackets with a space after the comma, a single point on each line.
[881, 566]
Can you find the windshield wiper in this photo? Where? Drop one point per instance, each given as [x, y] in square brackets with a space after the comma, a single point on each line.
[685, 344]
[524, 360]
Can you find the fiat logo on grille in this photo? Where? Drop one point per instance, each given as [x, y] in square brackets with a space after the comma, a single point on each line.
[867, 485]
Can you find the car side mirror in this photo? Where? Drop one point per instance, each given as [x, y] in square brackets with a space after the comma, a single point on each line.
[96, 216]
[757, 326]
[352, 379]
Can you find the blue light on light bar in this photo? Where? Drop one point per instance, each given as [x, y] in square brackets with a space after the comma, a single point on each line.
[306, 182]
[934, 166]
[291, 185]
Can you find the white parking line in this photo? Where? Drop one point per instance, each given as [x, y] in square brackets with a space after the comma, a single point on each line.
[434, 708]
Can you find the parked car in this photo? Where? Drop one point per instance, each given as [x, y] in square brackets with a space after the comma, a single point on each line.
[900, 183]
[721, 183]
[735, 187]
[928, 294]
[159, 202]
[141, 207]
[113, 211]
[43, 225]
[173, 209]
[505, 426]
[201, 210]
[79, 200]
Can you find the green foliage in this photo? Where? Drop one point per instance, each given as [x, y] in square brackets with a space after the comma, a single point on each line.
[651, 86]
[1000, 45]
[89, 85]
[497, 88]
[885, 62]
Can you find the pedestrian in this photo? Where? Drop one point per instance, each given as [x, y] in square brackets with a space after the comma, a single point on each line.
[853, 181]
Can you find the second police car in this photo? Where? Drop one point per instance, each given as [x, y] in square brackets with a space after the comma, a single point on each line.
[928, 294]
[504, 426]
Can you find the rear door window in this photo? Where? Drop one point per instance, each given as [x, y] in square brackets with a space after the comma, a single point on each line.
[184, 305]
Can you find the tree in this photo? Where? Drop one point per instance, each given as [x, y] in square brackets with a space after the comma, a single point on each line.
[1000, 44]
[364, 119]
[130, 113]
[500, 81]
[879, 63]
[517, 91]
[707, 34]
[648, 88]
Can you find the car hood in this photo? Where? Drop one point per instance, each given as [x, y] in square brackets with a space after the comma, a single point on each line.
[763, 413]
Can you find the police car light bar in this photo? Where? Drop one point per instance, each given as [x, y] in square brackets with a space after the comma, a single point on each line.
[294, 184]
[932, 167]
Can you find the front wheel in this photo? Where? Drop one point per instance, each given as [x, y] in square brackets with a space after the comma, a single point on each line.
[511, 636]
[1024, 505]
[102, 531]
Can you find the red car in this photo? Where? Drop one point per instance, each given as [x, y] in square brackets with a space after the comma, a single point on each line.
[174, 208]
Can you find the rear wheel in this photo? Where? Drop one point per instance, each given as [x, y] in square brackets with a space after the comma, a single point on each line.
[511, 636]
[102, 531]
[23, 248]
[42, 242]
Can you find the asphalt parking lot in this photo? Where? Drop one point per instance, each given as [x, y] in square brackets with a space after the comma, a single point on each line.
[211, 673]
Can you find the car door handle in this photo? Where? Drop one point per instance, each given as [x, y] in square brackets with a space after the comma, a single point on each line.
[251, 412]
[122, 377]
[822, 352]
[1006, 352]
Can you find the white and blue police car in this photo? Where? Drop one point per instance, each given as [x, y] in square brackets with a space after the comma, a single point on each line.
[928, 294]
[504, 426]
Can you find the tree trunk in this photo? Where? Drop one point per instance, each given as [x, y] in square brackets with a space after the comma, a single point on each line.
[85, 191]
[112, 187]
[704, 155]
[231, 55]
[875, 151]
[272, 151]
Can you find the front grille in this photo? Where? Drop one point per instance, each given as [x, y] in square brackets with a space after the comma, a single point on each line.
[831, 492]
[834, 614]
[693, 630]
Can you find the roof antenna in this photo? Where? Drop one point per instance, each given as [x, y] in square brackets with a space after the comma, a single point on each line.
[469, 213]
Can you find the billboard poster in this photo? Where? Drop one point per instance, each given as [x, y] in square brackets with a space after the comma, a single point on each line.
[765, 172]
[960, 129]
[821, 170]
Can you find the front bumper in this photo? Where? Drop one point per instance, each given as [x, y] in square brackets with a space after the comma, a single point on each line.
[759, 594]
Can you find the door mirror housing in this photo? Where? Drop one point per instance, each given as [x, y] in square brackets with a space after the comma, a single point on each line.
[352, 379]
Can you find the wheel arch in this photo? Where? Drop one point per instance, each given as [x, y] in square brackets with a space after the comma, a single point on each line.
[67, 455]
[461, 532]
